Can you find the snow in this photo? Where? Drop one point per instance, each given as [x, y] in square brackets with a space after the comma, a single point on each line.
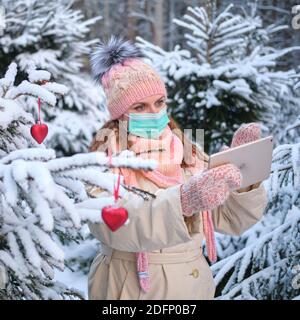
[43, 188]
[38, 75]
[68, 29]
[10, 112]
[77, 278]
[47, 243]
[29, 155]
[32, 89]
[29, 246]
[270, 246]
[10, 262]
[15, 250]
[56, 88]
[10, 75]
[10, 190]
[42, 206]
[42, 194]
[90, 209]
[222, 67]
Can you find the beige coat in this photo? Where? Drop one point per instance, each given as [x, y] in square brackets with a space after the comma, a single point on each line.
[178, 270]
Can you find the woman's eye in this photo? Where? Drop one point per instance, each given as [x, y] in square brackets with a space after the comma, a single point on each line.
[138, 108]
[161, 102]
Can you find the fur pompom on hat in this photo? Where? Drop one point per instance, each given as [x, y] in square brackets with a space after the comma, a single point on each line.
[126, 79]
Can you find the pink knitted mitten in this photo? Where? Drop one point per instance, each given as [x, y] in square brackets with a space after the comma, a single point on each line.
[245, 133]
[209, 189]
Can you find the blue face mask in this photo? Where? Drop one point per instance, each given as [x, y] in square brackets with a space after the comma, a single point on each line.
[148, 125]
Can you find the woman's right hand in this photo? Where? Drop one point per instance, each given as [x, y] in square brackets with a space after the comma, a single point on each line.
[209, 189]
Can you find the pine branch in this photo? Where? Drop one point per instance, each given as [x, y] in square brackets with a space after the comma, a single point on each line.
[144, 194]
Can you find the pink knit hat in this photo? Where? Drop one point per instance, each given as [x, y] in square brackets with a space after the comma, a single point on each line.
[124, 76]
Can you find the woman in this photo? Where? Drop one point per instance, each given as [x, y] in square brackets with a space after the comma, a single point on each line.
[158, 254]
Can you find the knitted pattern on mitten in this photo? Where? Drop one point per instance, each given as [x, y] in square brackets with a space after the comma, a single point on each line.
[246, 133]
[209, 189]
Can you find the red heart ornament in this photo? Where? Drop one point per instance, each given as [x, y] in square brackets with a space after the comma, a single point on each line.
[114, 217]
[39, 132]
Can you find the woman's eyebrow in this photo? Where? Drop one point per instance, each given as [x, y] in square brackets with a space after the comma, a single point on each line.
[138, 103]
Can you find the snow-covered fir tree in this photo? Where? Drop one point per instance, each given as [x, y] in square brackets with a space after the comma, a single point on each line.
[264, 263]
[288, 127]
[44, 198]
[226, 75]
[53, 36]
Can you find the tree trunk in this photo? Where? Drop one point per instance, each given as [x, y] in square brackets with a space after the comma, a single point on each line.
[106, 17]
[131, 21]
[158, 23]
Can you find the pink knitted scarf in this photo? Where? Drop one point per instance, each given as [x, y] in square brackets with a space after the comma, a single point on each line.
[168, 151]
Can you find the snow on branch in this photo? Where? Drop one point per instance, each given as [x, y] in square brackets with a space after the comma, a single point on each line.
[39, 75]
[46, 91]
[265, 254]
[42, 195]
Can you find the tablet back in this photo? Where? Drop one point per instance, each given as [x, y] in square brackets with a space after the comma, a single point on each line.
[254, 160]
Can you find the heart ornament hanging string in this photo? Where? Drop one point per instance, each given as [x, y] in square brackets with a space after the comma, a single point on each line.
[114, 216]
[39, 131]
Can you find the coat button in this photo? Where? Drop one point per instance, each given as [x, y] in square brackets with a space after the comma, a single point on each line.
[195, 273]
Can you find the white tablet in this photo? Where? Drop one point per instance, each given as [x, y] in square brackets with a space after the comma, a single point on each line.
[254, 160]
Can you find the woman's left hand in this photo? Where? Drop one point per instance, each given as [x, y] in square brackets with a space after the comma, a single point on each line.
[246, 133]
